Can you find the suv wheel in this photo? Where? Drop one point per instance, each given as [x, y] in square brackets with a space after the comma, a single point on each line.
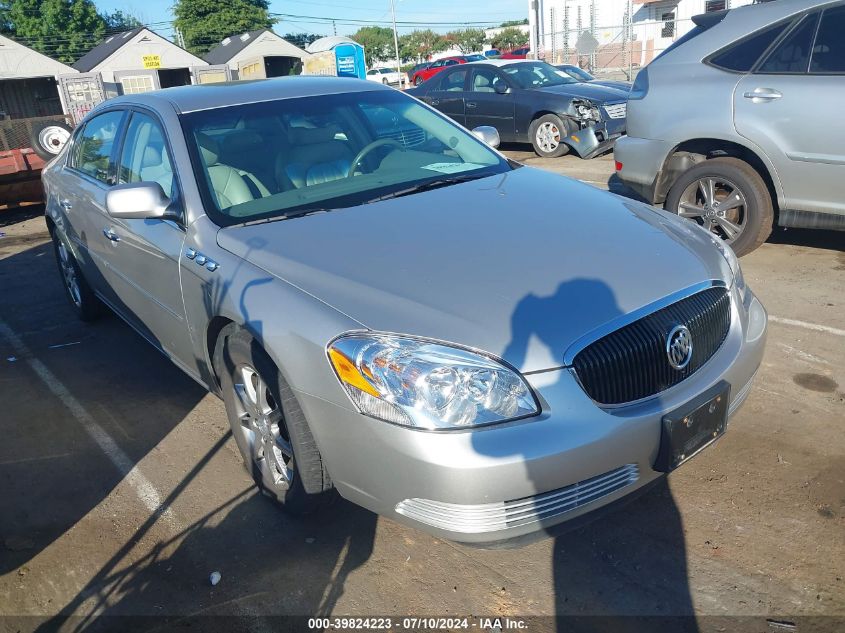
[727, 197]
[547, 134]
[269, 427]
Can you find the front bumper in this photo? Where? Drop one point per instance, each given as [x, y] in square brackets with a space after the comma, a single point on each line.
[596, 139]
[511, 480]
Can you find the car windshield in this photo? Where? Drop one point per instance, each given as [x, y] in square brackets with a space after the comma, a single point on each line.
[537, 75]
[296, 156]
[578, 73]
[475, 58]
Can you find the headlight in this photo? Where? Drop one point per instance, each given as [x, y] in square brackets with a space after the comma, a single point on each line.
[427, 385]
[733, 262]
[588, 110]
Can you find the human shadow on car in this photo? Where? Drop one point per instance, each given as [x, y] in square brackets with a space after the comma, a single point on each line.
[630, 561]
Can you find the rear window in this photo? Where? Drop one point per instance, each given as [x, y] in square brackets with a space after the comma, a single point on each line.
[743, 55]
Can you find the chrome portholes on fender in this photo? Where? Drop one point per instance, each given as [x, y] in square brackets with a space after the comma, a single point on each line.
[201, 260]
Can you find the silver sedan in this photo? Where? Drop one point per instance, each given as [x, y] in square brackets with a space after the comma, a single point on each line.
[393, 311]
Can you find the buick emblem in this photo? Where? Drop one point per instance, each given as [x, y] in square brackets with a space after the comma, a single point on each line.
[679, 347]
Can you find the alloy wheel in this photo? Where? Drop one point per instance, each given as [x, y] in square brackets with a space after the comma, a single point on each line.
[69, 274]
[548, 136]
[263, 428]
[717, 204]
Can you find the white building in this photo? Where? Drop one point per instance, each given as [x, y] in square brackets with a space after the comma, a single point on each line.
[630, 33]
[138, 61]
[28, 86]
[258, 55]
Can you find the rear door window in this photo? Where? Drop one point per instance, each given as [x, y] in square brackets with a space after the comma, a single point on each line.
[792, 55]
[829, 48]
[743, 55]
[96, 145]
[454, 81]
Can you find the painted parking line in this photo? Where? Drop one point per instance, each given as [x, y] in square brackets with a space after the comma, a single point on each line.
[807, 326]
[142, 486]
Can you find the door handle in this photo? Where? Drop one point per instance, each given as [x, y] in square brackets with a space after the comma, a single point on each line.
[111, 235]
[65, 204]
[472, 104]
[764, 94]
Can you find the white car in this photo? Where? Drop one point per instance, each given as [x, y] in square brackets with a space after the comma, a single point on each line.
[386, 76]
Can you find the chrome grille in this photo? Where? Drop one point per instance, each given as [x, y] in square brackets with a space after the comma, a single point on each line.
[616, 110]
[409, 138]
[492, 517]
[631, 363]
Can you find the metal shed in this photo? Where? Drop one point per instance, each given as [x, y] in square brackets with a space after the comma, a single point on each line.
[140, 60]
[258, 55]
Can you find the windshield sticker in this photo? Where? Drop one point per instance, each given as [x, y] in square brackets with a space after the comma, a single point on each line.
[452, 168]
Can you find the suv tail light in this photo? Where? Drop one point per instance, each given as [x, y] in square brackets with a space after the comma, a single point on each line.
[640, 88]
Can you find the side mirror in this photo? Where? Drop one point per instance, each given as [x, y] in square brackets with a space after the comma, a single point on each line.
[501, 88]
[138, 201]
[488, 135]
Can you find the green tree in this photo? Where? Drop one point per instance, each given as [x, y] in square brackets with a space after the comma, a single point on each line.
[62, 29]
[301, 39]
[204, 23]
[508, 39]
[119, 21]
[377, 42]
[505, 25]
[468, 40]
[421, 44]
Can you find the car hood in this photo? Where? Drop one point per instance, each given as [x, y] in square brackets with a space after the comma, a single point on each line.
[520, 265]
[624, 86]
[594, 92]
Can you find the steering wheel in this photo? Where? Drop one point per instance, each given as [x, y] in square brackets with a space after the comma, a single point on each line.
[384, 142]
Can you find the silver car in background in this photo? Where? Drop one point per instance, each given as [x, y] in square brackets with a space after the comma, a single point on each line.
[738, 125]
[392, 310]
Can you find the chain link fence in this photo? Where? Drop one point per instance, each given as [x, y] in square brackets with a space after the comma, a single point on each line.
[622, 48]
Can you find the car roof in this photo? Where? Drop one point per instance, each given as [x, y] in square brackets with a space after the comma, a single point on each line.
[508, 62]
[186, 99]
[733, 24]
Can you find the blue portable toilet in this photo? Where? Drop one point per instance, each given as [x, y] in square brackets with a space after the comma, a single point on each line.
[350, 58]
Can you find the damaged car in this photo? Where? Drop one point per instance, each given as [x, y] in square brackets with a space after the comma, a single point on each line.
[533, 102]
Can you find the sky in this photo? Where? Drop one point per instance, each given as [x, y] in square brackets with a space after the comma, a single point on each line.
[450, 14]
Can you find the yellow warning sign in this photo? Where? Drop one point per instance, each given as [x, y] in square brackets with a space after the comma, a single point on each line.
[152, 61]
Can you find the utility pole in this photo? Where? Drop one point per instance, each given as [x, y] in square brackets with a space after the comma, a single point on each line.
[396, 42]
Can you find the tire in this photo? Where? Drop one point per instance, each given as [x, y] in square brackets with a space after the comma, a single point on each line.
[80, 295]
[48, 138]
[278, 449]
[418, 81]
[547, 133]
[729, 198]
[384, 82]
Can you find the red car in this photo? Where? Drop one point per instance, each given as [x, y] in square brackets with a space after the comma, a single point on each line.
[517, 53]
[424, 74]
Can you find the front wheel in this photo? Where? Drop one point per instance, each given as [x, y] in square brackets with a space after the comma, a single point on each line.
[547, 134]
[418, 81]
[269, 427]
[727, 197]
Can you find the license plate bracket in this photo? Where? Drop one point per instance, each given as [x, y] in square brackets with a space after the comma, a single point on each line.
[693, 427]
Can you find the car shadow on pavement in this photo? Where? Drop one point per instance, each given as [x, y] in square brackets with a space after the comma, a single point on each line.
[52, 472]
[630, 559]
